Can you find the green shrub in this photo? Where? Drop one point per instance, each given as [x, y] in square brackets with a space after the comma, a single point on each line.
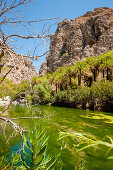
[81, 97]
[23, 86]
[28, 98]
[102, 95]
[97, 97]
[42, 92]
[7, 88]
[60, 98]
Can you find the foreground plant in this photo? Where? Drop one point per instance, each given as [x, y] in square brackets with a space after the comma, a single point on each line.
[84, 142]
[33, 154]
[34, 149]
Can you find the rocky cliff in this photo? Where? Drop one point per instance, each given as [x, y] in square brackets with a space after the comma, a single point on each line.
[88, 35]
[22, 68]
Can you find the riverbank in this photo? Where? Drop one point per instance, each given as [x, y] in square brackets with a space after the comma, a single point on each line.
[98, 97]
[86, 85]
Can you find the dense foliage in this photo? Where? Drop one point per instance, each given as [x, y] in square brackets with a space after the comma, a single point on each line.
[7, 88]
[41, 92]
[97, 97]
[87, 84]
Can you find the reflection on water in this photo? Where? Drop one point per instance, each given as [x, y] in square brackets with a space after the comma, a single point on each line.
[97, 124]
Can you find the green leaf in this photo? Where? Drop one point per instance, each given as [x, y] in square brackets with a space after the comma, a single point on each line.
[39, 159]
[52, 164]
[28, 156]
[42, 150]
[110, 157]
[24, 163]
[46, 161]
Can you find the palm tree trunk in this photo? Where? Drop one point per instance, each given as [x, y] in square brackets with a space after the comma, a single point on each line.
[90, 81]
[70, 81]
[94, 75]
[60, 86]
[107, 72]
[79, 78]
[111, 75]
[56, 87]
[103, 74]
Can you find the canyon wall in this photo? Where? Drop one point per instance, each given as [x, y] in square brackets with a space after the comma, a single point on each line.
[74, 40]
[22, 67]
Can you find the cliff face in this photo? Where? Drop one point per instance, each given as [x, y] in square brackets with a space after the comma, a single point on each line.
[22, 67]
[88, 35]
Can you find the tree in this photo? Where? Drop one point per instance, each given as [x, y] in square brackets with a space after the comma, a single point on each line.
[60, 78]
[14, 26]
[107, 64]
[79, 70]
[69, 73]
[11, 17]
[42, 91]
[93, 64]
[57, 77]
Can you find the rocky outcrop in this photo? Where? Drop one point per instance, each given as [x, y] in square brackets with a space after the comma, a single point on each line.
[88, 35]
[22, 67]
[43, 69]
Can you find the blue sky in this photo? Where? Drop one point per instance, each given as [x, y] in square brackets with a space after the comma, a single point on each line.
[58, 8]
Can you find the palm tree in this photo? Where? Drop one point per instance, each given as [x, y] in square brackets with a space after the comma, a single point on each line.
[107, 64]
[50, 77]
[69, 73]
[62, 78]
[55, 79]
[79, 70]
[93, 64]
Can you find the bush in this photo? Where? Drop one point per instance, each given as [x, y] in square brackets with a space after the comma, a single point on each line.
[60, 98]
[7, 88]
[28, 98]
[81, 97]
[23, 86]
[102, 95]
[42, 92]
[97, 97]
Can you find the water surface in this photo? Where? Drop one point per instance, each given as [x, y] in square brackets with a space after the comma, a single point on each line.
[71, 120]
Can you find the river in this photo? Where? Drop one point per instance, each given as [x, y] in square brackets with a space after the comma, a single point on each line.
[70, 120]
